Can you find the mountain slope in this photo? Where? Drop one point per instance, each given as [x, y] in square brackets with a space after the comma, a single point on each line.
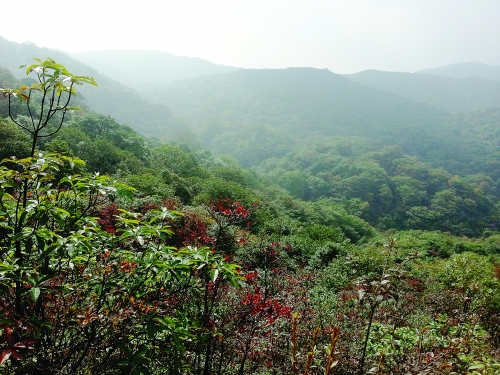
[464, 70]
[297, 102]
[447, 93]
[299, 99]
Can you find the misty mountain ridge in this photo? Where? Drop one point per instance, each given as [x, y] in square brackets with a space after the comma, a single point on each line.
[300, 99]
[465, 70]
[112, 97]
[254, 114]
[147, 69]
[250, 113]
[455, 95]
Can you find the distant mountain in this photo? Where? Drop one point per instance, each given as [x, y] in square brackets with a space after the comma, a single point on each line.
[146, 69]
[248, 113]
[451, 94]
[465, 70]
[112, 98]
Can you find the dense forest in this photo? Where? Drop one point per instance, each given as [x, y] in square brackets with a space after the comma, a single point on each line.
[243, 221]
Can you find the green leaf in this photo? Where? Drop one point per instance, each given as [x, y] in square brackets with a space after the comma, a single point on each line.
[214, 274]
[35, 293]
[140, 239]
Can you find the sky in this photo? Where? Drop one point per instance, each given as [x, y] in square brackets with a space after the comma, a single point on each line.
[345, 36]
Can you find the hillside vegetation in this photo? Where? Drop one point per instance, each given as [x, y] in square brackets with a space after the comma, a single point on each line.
[359, 237]
[229, 110]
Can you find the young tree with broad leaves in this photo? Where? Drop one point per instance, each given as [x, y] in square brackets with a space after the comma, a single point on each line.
[47, 100]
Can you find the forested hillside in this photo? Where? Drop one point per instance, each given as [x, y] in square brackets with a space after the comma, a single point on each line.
[391, 189]
[250, 113]
[360, 238]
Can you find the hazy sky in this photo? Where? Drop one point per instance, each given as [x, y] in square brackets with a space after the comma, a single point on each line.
[344, 36]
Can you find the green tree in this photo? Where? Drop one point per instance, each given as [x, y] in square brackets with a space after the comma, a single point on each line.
[102, 127]
[14, 140]
[296, 183]
[173, 159]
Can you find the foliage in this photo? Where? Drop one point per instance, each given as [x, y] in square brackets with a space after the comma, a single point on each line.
[207, 268]
[397, 190]
[14, 141]
[71, 285]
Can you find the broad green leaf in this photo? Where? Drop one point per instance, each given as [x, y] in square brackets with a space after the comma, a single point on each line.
[35, 293]
[214, 274]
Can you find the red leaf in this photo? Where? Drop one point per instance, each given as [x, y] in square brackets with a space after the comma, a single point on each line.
[5, 356]
[27, 344]
[7, 331]
[17, 356]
